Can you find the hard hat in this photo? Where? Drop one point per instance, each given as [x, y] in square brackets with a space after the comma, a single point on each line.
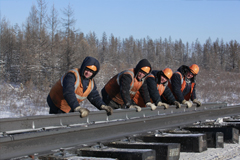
[146, 69]
[167, 72]
[194, 69]
[92, 67]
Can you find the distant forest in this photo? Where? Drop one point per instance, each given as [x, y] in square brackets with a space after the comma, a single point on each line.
[46, 46]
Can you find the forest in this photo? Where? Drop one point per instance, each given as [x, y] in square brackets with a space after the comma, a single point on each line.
[39, 51]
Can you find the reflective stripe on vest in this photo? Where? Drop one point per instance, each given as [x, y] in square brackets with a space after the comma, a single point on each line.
[77, 84]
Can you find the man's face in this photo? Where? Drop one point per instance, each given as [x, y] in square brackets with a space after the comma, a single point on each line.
[140, 75]
[88, 73]
[163, 79]
[189, 75]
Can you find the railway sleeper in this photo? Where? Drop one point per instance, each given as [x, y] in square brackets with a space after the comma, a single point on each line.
[164, 151]
[69, 156]
[188, 142]
[61, 154]
[119, 153]
[230, 134]
[232, 123]
[214, 139]
[96, 152]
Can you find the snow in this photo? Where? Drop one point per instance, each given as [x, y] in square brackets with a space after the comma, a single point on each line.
[13, 106]
[229, 152]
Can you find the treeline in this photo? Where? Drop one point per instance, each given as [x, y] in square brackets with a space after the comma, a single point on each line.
[45, 46]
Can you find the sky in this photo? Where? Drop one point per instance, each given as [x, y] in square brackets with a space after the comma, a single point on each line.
[188, 20]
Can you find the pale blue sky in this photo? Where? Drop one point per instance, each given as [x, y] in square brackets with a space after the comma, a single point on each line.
[181, 19]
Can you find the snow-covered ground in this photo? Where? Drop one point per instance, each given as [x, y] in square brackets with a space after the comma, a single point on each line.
[229, 152]
[15, 102]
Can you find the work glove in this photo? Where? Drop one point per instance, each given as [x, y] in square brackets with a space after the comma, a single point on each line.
[83, 111]
[188, 103]
[108, 109]
[197, 102]
[177, 104]
[151, 105]
[138, 109]
[163, 104]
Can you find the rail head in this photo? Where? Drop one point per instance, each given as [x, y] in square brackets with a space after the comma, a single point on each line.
[60, 120]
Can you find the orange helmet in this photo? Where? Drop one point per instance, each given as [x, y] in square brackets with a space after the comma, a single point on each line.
[167, 72]
[146, 69]
[92, 67]
[194, 69]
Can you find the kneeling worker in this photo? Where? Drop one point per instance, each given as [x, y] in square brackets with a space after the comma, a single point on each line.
[120, 90]
[159, 91]
[74, 87]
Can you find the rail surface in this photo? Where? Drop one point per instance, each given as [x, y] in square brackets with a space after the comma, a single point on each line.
[61, 120]
[23, 136]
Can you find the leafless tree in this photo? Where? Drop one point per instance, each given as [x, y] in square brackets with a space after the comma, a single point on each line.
[68, 24]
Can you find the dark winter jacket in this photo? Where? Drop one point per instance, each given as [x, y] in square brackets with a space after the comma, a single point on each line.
[176, 84]
[153, 91]
[69, 89]
[125, 85]
[126, 80]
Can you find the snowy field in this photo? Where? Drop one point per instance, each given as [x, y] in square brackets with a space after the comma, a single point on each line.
[15, 102]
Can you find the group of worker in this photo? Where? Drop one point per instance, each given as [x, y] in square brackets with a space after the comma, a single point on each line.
[133, 88]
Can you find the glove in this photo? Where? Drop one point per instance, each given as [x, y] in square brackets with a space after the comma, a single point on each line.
[108, 109]
[197, 102]
[151, 105]
[177, 104]
[189, 104]
[83, 111]
[138, 109]
[163, 104]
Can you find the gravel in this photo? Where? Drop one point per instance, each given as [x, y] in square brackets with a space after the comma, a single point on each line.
[229, 152]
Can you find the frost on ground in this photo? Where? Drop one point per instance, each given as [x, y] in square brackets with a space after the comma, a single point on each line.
[20, 100]
[229, 152]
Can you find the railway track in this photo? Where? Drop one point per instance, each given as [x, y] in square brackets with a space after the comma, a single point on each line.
[42, 134]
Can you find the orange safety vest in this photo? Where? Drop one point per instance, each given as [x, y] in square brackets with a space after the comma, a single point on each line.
[113, 86]
[183, 85]
[138, 98]
[56, 93]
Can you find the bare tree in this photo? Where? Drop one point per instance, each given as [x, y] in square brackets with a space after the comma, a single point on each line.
[222, 54]
[93, 43]
[197, 57]
[54, 54]
[207, 54]
[103, 48]
[233, 55]
[68, 23]
[42, 9]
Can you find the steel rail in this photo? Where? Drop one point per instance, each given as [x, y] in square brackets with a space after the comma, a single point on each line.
[29, 143]
[63, 120]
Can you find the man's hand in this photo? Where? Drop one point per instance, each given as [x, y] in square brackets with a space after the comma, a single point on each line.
[188, 103]
[83, 111]
[151, 105]
[178, 105]
[166, 106]
[197, 102]
[108, 109]
[138, 109]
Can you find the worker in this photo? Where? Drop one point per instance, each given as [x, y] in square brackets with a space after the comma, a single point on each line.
[74, 87]
[120, 90]
[159, 91]
[183, 85]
